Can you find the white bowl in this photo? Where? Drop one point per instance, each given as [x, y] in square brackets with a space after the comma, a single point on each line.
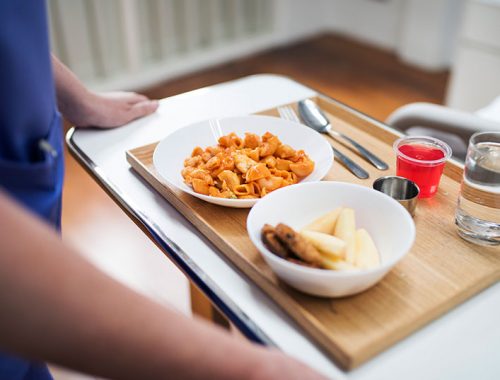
[170, 153]
[389, 224]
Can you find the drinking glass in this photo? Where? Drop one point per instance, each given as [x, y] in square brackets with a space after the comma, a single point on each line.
[421, 159]
[478, 211]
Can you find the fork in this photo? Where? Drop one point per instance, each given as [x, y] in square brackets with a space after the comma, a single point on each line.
[288, 113]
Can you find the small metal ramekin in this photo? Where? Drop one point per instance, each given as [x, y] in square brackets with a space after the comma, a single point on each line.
[401, 189]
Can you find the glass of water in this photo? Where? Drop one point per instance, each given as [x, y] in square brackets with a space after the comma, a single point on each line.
[478, 211]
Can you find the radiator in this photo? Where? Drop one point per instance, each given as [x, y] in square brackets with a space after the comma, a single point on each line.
[130, 44]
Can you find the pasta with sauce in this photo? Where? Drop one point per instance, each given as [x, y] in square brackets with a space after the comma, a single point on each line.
[248, 167]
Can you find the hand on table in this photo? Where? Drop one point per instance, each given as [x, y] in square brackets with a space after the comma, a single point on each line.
[111, 109]
[86, 108]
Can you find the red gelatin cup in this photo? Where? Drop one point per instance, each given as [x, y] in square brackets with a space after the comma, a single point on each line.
[421, 159]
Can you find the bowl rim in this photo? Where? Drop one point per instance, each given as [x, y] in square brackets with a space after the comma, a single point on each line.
[243, 203]
[385, 265]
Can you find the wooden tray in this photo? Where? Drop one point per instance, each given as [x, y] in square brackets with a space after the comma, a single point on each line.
[440, 272]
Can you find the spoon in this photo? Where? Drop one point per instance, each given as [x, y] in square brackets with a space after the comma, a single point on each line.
[316, 119]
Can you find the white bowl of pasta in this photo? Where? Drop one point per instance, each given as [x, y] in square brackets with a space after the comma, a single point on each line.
[236, 161]
[389, 224]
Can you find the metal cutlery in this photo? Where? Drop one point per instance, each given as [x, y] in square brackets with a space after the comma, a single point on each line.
[286, 112]
[316, 119]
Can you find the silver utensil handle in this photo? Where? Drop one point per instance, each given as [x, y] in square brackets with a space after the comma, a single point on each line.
[353, 167]
[374, 160]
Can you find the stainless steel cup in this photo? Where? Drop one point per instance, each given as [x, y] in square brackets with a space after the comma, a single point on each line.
[401, 189]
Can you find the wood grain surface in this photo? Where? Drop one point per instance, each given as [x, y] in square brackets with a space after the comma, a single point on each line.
[440, 272]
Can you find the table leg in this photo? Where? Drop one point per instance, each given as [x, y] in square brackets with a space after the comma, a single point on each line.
[202, 307]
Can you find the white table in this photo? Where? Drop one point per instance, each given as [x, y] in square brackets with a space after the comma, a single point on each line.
[463, 344]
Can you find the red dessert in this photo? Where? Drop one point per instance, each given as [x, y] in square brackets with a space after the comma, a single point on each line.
[416, 163]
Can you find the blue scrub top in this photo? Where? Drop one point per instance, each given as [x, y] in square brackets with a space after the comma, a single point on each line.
[31, 166]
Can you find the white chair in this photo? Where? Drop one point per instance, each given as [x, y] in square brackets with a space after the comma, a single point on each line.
[452, 126]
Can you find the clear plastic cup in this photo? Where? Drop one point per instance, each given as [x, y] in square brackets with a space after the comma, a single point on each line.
[421, 159]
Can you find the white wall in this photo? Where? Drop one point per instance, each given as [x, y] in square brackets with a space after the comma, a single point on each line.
[421, 32]
[136, 43]
[298, 19]
[131, 44]
[475, 78]
[375, 22]
[429, 32]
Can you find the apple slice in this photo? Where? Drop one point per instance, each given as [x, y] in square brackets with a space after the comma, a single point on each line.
[328, 245]
[367, 255]
[345, 229]
[325, 223]
[328, 263]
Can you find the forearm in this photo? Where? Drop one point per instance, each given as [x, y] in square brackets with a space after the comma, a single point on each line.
[86, 108]
[57, 307]
[71, 94]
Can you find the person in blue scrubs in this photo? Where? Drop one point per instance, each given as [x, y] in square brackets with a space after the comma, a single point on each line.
[29, 124]
[54, 305]
[31, 154]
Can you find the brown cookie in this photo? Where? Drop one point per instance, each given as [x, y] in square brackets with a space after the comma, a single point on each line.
[303, 263]
[297, 244]
[272, 243]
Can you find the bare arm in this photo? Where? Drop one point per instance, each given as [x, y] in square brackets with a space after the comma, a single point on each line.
[83, 107]
[59, 308]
